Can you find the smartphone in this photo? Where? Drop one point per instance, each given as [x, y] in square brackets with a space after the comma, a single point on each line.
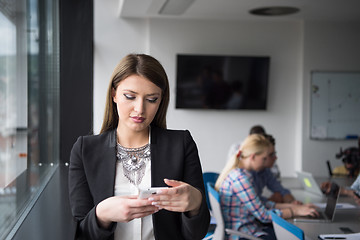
[146, 193]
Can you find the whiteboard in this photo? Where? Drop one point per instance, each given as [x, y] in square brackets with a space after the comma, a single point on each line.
[335, 105]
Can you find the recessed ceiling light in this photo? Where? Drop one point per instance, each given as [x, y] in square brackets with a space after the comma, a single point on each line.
[274, 11]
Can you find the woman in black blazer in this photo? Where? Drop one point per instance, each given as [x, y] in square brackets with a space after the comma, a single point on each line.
[135, 150]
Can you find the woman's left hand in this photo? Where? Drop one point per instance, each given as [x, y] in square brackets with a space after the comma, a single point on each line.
[181, 197]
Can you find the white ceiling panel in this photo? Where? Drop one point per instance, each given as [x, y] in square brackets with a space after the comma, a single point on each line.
[324, 10]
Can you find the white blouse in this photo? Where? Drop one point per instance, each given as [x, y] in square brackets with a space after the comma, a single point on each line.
[139, 228]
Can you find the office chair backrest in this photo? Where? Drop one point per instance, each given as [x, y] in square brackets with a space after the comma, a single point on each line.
[209, 177]
[220, 230]
[329, 168]
[214, 198]
[285, 230]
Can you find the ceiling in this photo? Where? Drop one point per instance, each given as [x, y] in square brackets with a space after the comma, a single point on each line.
[320, 10]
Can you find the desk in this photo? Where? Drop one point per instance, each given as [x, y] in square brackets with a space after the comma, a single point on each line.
[343, 217]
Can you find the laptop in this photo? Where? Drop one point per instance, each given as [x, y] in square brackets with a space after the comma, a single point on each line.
[309, 183]
[328, 214]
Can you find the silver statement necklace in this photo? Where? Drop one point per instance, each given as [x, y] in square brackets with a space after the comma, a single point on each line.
[134, 161]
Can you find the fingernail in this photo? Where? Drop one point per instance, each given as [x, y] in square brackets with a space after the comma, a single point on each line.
[154, 203]
[151, 199]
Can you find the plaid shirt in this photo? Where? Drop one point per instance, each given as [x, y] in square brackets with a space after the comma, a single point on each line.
[242, 208]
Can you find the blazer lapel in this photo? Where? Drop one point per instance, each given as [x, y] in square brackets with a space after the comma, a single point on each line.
[107, 168]
[112, 161]
[156, 163]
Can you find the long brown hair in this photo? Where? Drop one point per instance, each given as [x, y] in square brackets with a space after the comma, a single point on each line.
[147, 67]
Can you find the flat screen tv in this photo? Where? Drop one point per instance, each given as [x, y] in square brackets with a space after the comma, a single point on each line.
[221, 82]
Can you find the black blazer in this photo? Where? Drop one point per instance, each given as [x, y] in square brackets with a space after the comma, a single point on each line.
[174, 155]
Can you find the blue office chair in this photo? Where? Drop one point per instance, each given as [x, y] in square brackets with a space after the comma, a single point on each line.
[285, 230]
[209, 177]
[220, 230]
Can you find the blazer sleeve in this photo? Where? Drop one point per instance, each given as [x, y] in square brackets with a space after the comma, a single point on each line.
[81, 199]
[197, 226]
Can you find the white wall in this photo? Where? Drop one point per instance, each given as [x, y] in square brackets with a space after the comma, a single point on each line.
[328, 46]
[113, 39]
[214, 131]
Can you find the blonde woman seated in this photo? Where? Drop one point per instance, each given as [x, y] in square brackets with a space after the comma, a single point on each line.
[241, 206]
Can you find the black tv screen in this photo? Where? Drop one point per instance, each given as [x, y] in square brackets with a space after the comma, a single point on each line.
[221, 82]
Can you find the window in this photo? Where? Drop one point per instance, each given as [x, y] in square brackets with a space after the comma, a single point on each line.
[29, 105]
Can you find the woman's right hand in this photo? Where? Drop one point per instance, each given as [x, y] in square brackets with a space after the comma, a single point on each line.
[123, 209]
[305, 210]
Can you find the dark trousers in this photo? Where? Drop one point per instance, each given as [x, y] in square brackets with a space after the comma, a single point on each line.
[270, 231]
